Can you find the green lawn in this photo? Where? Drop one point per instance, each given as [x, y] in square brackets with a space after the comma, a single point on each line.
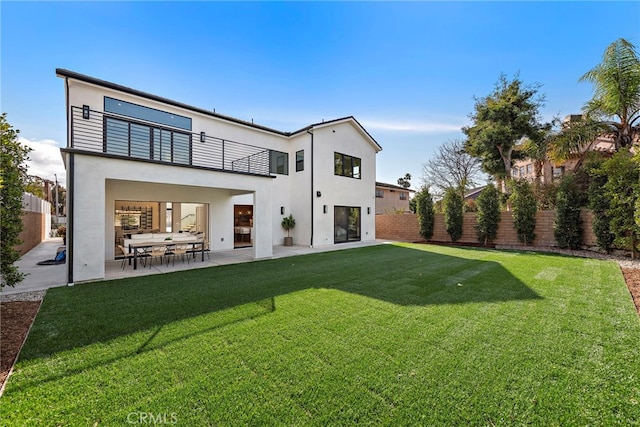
[382, 335]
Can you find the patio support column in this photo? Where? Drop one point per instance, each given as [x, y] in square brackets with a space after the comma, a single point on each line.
[263, 224]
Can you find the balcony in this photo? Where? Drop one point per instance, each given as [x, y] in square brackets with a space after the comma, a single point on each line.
[115, 136]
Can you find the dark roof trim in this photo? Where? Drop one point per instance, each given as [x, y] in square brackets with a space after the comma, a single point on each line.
[77, 76]
[347, 118]
[88, 79]
[395, 187]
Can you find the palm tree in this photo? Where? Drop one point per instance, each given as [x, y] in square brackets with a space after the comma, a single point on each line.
[614, 110]
[616, 82]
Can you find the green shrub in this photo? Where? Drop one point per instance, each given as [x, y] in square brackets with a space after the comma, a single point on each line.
[567, 227]
[453, 207]
[488, 217]
[599, 205]
[523, 204]
[622, 189]
[13, 181]
[426, 216]
[546, 194]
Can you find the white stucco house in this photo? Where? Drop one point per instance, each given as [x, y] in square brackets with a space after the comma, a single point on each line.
[139, 163]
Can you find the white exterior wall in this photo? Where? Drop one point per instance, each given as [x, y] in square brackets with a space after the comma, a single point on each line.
[340, 190]
[99, 181]
[300, 190]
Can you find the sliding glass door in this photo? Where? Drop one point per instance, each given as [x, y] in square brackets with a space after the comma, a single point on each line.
[346, 226]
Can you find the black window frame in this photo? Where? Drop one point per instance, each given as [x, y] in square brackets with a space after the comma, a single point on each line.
[147, 114]
[299, 160]
[154, 142]
[353, 234]
[274, 157]
[347, 165]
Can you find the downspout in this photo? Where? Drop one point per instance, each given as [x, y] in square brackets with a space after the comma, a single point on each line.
[311, 239]
[70, 191]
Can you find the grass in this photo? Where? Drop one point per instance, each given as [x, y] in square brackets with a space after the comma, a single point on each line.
[384, 335]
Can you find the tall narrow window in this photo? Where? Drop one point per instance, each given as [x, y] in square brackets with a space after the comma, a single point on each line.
[299, 160]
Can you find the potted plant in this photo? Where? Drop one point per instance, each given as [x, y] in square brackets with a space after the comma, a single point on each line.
[288, 223]
[62, 232]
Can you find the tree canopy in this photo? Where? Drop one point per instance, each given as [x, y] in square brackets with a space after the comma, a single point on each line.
[614, 109]
[500, 121]
[616, 92]
[405, 181]
[13, 178]
[451, 167]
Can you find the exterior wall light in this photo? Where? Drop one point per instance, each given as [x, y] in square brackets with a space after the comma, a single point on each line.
[281, 210]
[318, 194]
[85, 112]
[368, 210]
[324, 208]
[202, 136]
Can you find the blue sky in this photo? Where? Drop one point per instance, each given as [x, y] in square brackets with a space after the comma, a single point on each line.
[407, 71]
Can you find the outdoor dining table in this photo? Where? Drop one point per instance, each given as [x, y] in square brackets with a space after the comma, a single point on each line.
[133, 247]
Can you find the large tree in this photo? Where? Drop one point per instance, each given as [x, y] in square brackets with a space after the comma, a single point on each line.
[13, 178]
[451, 167]
[500, 121]
[614, 109]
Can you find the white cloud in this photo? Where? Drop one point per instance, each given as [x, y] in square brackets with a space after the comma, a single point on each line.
[414, 127]
[45, 160]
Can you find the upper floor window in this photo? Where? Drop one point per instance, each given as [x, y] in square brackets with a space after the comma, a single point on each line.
[529, 169]
[145, 142]
[379, 193]
[278, 162]
[345, 165]
[403, 196]
[128, 109]
[299, 160]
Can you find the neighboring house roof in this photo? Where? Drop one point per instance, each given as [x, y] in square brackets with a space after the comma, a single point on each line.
[61, 72]
[474, 193]
[393, 187]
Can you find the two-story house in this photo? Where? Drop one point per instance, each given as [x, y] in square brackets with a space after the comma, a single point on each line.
[392, 198]
[140, 163]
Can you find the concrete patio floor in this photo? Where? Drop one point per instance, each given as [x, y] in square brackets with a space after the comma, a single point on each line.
[41, 277]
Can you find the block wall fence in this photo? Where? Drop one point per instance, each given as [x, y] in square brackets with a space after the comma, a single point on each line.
[36, 222]
[405, 228]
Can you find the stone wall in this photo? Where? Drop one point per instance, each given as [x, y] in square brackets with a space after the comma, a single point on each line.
[405, 228]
